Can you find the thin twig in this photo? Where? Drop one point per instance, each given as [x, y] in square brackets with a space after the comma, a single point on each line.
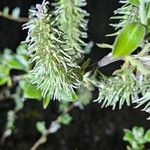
[48, 131]
[14, 112]
[40, 141]
[5, 135]
[16, 19]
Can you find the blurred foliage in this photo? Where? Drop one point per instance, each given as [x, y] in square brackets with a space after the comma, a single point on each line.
[64, 119]
[137, 138]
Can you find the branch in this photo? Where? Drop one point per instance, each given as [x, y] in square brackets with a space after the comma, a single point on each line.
[16, 19]
[108, 59]
[11, 115]
[42, 139]
[8, 130]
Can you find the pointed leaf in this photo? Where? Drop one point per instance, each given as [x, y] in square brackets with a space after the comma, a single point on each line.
[129, 39]
[46, 101]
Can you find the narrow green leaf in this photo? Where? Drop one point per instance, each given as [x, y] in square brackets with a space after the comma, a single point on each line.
[129, 39]
[74, 96]
[46, 101]
[104, 45]
[86, 64]
[148, 16]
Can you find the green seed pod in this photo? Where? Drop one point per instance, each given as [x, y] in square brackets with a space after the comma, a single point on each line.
[129, 39]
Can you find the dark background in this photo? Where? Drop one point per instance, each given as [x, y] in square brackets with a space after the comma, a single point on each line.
[93, 128]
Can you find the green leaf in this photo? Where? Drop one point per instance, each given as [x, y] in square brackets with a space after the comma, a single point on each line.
[46, 101]
[5, 11]
[4, 70]
[147, 136]
[104, 45]
[86, 64]
[148, 17]
[138, 132]
[30, 90]
[134, 2]
[128, 136]
[4, 74]
[17, 62]
[129, 39]
[23, 62]
[4, 80]
[40, 126]
[65, 119]
[74, 96]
